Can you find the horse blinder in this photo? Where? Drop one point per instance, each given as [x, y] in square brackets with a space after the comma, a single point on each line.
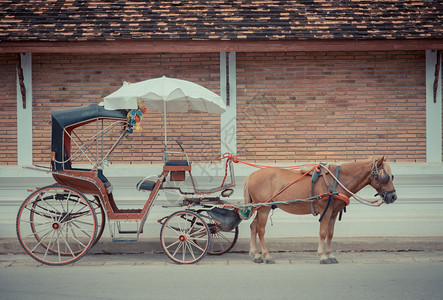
[383, 179]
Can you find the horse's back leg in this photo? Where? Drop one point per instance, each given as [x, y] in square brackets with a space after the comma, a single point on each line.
[253, 245]
[262, 219]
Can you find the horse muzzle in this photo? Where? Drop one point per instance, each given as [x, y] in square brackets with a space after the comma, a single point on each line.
[388, 196]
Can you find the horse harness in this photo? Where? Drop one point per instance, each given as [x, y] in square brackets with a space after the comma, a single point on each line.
[332, 192]
[330, 196]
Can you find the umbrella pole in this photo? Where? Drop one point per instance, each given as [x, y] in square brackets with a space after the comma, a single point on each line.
[164, 125]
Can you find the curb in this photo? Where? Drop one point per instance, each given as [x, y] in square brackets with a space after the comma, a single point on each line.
[370, 244]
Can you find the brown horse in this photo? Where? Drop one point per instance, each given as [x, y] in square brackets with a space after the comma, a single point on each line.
[263, 185]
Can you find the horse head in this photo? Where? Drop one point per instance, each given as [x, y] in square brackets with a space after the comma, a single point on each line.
[382, 180]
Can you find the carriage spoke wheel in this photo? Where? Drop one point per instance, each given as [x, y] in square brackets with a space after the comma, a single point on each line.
[221, 241]
[100, 216]
[56, 225]
[185, 237]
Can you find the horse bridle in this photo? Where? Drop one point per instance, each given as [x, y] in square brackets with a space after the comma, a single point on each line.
[374, 174]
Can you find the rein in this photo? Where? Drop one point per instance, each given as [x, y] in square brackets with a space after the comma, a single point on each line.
[235, 159]
[373, 203]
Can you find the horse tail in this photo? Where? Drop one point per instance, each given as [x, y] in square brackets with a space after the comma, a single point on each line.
[246, 195]
[246, 212]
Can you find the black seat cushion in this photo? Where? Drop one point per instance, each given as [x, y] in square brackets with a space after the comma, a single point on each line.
[146, 185]
[177, 163]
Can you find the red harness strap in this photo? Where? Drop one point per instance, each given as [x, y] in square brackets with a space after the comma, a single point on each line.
[287, 186]
[338, 196]
[235, 159]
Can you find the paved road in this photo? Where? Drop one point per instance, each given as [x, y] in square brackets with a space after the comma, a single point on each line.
[296, 275]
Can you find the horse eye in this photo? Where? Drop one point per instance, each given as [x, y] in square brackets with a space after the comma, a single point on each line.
[392, 178]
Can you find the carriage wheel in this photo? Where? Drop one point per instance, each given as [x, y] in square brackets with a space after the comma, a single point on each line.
[185, 237]
[101, 218]
[221, 241]
[56, 225]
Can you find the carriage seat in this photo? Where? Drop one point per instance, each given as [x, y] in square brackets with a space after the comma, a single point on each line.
[177, 163]
[177, 169]
[146, 185]
[100, 175]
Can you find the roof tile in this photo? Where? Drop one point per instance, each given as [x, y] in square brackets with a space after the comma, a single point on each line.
[65, 20]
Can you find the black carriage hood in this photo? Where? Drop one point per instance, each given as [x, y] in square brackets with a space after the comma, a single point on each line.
[70, 117]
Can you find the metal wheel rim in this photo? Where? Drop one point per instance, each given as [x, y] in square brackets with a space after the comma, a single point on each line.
[179, 234]
[56, 225]
[100, 216]
[222, 241]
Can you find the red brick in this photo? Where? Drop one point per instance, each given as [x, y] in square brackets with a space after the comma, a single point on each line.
[8, 109]
[337, 96]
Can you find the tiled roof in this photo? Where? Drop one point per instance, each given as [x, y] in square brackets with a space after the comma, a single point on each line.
[67, 20]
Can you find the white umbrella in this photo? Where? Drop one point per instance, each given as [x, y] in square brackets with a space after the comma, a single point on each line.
[165, 95]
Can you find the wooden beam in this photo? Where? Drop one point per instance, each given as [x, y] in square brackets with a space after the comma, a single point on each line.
[202, 46]
[21, 79]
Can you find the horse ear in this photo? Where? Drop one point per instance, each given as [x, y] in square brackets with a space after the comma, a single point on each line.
[381, 160]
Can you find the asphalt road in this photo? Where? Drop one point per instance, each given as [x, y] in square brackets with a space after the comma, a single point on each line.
[296, 275]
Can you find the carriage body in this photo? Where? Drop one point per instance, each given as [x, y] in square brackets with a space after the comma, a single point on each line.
[88, 136]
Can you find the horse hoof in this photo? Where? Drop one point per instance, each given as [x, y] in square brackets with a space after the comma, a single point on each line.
[333, 260]
[258, 260]
[270, 261]
[325, 261]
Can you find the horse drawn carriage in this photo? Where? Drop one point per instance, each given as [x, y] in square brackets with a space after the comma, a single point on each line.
[59, 223]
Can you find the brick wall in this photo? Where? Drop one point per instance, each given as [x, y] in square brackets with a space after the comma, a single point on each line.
[63, 81]
[331, 106]
[291, 106]
[8, 110]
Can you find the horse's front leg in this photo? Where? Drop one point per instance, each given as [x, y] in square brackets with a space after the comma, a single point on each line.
[329, 254]
[324, 230]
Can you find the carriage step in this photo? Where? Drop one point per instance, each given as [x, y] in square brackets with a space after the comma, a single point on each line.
[121, 231]
[125, 231]
[129, 231]
[120, 240]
